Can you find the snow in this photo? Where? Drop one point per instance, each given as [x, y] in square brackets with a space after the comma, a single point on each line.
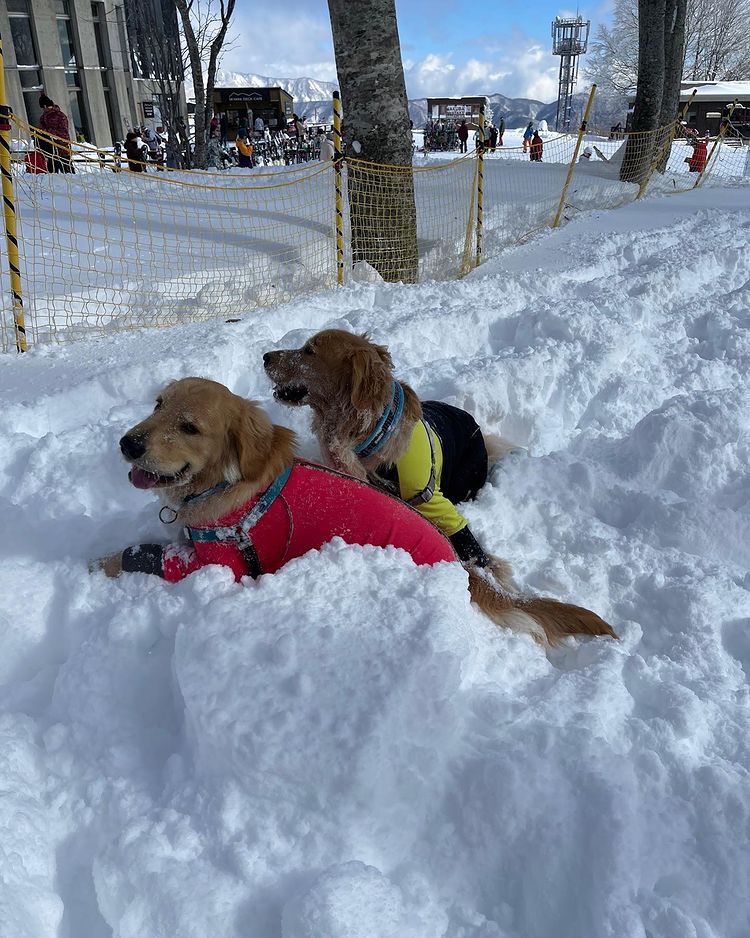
[103, 251]
[348, 749]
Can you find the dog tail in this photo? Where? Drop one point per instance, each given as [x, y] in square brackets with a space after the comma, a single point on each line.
[498, 448]
[546, 620]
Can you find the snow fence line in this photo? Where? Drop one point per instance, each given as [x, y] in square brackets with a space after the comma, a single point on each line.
[105, 248]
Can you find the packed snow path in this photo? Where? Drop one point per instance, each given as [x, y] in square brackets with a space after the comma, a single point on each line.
[347, 749]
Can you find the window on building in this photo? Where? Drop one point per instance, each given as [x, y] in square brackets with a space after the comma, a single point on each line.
[104, 55]
[27, 59]
[66, 36]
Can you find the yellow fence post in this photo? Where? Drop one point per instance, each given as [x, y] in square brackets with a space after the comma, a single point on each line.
[9, 208]
[667, 146]
[579, 141]
[719, 138]
[480, 187]
[337, 160]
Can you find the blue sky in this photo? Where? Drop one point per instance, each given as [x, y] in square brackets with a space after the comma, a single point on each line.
[448, 47]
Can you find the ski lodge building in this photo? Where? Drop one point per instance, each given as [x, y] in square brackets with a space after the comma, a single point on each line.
[244, 105]
[458, 109]
[713, 97]
[90, 58]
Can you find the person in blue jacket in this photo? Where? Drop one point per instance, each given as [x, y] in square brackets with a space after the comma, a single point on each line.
[527, 135]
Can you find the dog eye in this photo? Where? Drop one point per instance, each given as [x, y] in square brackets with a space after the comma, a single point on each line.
[189, 428]
[157, 405]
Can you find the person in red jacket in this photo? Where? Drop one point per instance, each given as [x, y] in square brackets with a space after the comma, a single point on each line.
[463, 136]
[697, 162]
[537, 148]
[57, 150]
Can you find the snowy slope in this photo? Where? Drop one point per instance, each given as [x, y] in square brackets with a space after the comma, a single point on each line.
[347, 749]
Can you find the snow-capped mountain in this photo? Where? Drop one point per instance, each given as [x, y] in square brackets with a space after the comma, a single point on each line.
[301, 89]
[312, 99]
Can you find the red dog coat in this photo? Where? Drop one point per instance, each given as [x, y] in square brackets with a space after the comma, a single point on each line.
[312, 506]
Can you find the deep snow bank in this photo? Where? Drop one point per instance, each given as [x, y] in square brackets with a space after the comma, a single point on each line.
[348, 748]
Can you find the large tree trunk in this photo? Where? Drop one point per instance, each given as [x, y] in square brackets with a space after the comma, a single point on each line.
[674, 58]
[376, 129]
[648, 97]
[675, 14]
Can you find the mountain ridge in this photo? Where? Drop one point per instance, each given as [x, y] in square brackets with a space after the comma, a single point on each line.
[313, 100]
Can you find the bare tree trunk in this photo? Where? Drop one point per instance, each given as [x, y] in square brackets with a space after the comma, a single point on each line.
[674, 57]
[200, 155]
[225, 15]
[376, 129]
[648, 97]
[198, 25]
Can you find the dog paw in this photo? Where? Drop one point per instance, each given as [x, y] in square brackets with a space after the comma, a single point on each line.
[111, 566]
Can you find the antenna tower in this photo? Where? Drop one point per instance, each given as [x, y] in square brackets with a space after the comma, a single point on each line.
[569, 40]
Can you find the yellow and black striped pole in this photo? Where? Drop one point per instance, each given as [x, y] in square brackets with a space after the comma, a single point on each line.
[9, 207]
[574, 160]
[480, 186]
[337, 161]
[719, 138]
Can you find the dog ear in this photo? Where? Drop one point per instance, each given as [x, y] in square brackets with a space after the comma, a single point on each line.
[250, 437]
[371, 369]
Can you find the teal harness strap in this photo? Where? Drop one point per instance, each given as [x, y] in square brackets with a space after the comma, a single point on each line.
[386, 426]
[240, 532]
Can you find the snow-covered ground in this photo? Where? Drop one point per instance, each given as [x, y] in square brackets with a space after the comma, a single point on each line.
[104, 251]
[347, 749]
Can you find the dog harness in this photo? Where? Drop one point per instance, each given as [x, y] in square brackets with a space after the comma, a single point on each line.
[304, 508]
[385, 427]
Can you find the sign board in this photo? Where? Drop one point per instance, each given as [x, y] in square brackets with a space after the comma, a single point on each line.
[148, 108]
[245, 96]
[458, 110]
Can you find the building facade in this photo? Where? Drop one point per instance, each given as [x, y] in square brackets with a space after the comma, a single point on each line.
[244, 105]
[454, 110]
[78, 53]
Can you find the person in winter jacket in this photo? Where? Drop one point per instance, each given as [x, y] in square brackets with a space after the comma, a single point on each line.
[218, 158]
[327, 148]
[500, 131]
[57, 151]
[493, 137]
[527, 136]
[536, 148]
[155, 145]
[463, 136]
[244, 153]
[697, 162]
[136, 152]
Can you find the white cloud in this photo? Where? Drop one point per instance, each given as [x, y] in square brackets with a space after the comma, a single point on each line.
[281, 44]
[530, 72]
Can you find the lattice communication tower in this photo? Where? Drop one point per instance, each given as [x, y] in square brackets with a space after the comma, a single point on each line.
[569, 40]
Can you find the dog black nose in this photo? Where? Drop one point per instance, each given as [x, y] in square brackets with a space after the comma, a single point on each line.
[132, 446]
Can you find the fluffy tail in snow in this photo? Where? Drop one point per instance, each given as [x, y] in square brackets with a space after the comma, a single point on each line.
[546, 620]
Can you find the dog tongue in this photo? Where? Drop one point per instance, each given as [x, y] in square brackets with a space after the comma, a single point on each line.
[142, 479]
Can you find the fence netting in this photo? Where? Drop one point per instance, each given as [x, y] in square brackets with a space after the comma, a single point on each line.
[104, 248]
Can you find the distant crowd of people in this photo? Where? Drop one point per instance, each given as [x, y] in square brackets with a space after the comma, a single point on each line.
[445, 134]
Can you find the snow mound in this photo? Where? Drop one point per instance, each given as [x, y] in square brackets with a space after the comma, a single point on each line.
[348, 747]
